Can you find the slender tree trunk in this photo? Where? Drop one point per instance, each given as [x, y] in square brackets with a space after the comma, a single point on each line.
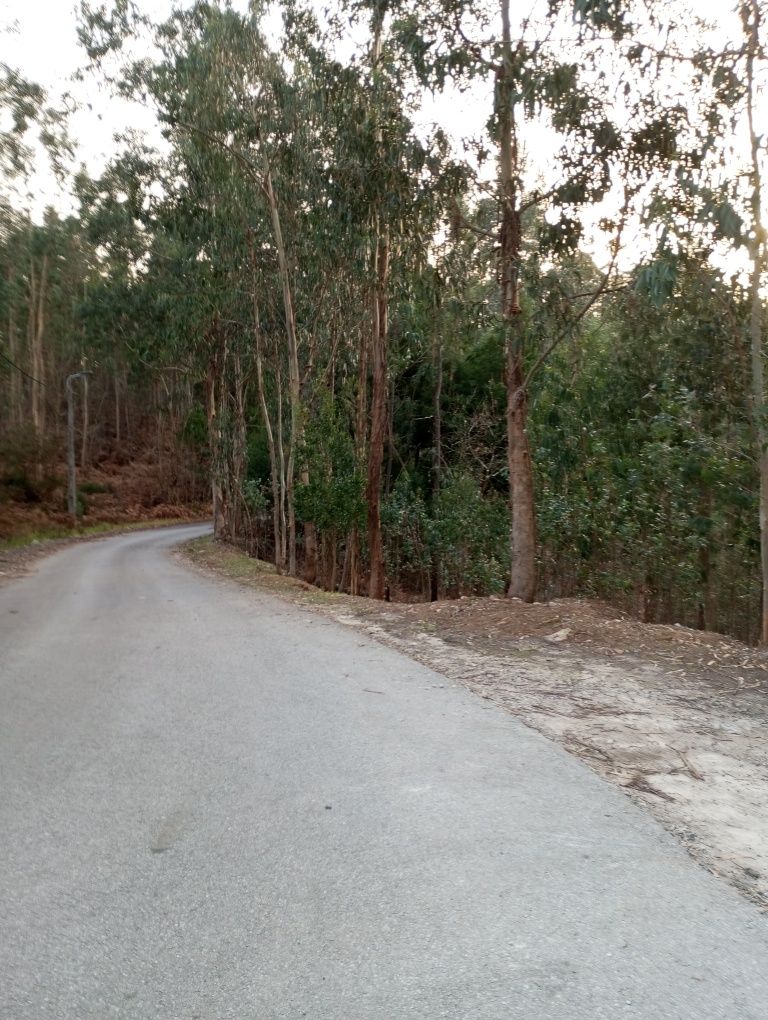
[214, 435]
[117, 404]
[345, 566]
[379, 340]
[759, 417]
[15, 395]
[126, 404]
[390, 435]
[437, 441]
[294, 378]
[239, 448]
[752, 19]
[331, 581]
[86, 426]
[378, 416]
[707, 615]
[37, 288]
[361, 437]
[273, 470]
[522, 584]
[281, 458]
[71, 477]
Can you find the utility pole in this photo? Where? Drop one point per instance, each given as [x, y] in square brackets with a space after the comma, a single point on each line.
[72, 480]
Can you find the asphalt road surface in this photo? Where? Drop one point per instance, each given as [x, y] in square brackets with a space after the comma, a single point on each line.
[214, 804]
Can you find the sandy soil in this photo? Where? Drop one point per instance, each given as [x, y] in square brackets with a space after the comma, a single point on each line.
[675, 717]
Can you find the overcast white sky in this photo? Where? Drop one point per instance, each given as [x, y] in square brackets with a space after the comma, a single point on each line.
[39, 38]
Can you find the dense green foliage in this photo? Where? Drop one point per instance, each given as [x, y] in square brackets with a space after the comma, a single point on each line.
[221, 290]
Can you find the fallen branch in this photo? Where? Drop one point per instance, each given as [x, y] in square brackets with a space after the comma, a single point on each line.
[580, 746]
[639, 782]
[692, 771]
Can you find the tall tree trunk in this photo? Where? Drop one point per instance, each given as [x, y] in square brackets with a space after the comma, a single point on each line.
[752, 24]
[273, 470]
[522, 583]
[707, 613]
[15, 395]
[379, 341]
[37, 288]
[378, 414]
[86, 426]
[294, 378]
[437, 442]
[215, 442]
[239, 448]
[361, 442]
[281, 460]
[116, 381]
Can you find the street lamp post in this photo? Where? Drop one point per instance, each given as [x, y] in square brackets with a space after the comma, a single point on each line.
[72, 479]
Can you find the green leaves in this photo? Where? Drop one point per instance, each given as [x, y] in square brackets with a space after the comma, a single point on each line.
[603, 15]
[729, 225]
[657, 280]
[333, 499]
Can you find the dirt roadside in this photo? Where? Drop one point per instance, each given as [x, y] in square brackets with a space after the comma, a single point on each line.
[677, 718]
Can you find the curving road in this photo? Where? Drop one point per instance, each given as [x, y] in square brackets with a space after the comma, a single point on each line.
[215, 805]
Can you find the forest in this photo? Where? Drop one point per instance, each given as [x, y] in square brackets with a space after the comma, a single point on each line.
[521, 355]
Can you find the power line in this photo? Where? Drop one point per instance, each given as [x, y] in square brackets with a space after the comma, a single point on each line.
[20, 369]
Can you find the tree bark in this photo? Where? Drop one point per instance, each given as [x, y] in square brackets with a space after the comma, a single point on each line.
[294, 378]
[214, 434]
[752, 24]
[86, 425]
[378, 415]
[437, 440]
[36, 335]
[117, 405]
[707, 613]
[361, 438]
[15, 395]
[71, 477]
[379, 340]
[281, 460]
[522, 583]
[239, 448]
[273, 470]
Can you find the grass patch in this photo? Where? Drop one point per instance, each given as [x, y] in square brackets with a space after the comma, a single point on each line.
[236, 565]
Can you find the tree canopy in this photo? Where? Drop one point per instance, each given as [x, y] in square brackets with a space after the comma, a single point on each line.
[406, 363]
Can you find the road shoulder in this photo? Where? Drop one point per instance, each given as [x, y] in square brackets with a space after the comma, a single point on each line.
[675, 718]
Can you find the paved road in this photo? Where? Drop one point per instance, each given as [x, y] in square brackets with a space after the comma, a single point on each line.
[215, 805]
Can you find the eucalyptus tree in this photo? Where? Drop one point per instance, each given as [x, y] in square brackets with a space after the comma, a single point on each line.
[715, 203]
[21, 102]
[27, 121]
[642, 448]
[534, 80]
[755, 66]
[387, 191]
[219, 92]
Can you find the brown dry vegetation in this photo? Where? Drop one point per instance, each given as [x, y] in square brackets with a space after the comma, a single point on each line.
[118, 491]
